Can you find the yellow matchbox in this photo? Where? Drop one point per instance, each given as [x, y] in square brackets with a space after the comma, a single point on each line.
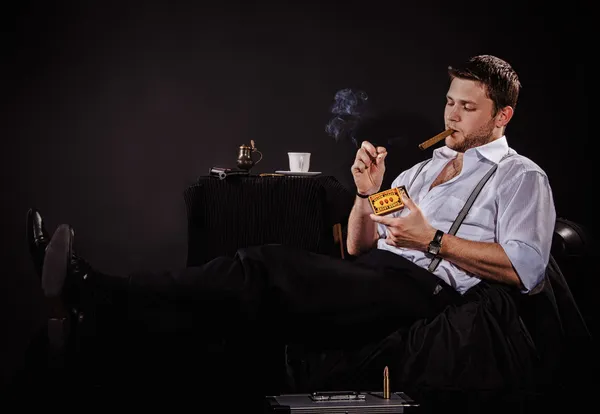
[388, 201]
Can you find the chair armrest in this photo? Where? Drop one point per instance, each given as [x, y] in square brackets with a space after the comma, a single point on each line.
[569, 239]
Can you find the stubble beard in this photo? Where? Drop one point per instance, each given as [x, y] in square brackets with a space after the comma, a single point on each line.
[477, 138]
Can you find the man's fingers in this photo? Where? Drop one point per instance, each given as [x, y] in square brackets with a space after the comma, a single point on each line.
[381, 219]
[390, 242]
[408, 202]
[364, 157]
[369, 148]
[359, 165]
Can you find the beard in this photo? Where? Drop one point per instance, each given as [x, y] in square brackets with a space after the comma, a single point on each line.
[477, 138]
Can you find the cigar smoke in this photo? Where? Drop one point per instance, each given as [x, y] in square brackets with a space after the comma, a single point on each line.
[349, 108]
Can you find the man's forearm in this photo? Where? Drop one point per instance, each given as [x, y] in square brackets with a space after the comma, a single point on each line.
[486, 260]
[362, 231]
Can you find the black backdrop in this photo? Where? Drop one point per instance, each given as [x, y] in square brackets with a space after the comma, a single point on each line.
[109, 111]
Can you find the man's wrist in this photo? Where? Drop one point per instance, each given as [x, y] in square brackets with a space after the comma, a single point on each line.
[430, 236]
[366, 194]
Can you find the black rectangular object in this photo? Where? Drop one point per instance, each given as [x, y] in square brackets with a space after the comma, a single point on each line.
[373, 403]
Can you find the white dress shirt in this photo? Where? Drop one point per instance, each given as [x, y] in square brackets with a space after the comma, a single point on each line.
[515, 208]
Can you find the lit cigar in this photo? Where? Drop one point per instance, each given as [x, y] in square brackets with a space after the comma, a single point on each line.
[436, 139]
[386, 383]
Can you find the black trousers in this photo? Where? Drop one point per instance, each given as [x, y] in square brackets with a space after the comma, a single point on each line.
[270, 296]
[302, 295]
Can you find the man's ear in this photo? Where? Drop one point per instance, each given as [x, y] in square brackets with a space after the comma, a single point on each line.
[504, 116]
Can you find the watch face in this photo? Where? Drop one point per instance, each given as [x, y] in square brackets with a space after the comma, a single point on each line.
[436, 244]
[434, 248]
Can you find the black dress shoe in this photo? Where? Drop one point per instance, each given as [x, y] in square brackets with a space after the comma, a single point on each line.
[64, 280]
[56, 261]
[37, 238]
[64, 274]
[55, 270]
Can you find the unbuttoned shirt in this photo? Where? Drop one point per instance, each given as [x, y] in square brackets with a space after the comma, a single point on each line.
[515, 209]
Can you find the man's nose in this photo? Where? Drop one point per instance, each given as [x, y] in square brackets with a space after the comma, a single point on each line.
[453, 115]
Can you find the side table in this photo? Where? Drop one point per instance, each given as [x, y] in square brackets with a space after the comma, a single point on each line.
[243, 211]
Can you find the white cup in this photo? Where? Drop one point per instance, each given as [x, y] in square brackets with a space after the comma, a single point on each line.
[299, 161]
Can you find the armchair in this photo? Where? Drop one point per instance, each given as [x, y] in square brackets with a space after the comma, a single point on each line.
[550, 321]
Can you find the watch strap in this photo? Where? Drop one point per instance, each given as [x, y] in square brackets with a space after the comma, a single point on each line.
[438, 236]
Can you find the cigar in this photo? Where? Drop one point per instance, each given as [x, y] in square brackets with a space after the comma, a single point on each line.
[386, 383]
[436, 139]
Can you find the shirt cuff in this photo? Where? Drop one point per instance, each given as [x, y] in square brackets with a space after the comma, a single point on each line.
[528, 263]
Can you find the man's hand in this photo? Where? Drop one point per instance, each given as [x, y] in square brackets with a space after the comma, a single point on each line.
[412, 231]
[368, 168]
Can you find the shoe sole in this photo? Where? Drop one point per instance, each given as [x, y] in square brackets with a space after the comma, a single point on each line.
[56, 261]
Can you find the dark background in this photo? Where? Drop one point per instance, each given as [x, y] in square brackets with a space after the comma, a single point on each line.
[111, 109]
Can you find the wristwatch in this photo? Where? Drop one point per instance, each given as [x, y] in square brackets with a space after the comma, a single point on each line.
[436, 244]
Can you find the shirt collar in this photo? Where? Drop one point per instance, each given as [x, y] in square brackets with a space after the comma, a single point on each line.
[493, 151]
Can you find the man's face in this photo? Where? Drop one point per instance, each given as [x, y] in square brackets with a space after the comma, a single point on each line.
[469, 112]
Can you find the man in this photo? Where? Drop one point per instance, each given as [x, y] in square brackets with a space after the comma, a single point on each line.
[507, 236]
[355, 306]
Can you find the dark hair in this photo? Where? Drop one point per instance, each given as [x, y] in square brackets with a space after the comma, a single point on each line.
[500, 80]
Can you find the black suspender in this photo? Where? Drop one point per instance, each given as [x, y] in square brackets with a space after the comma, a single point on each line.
[461, 216]
[418, 172]
[463, 213]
